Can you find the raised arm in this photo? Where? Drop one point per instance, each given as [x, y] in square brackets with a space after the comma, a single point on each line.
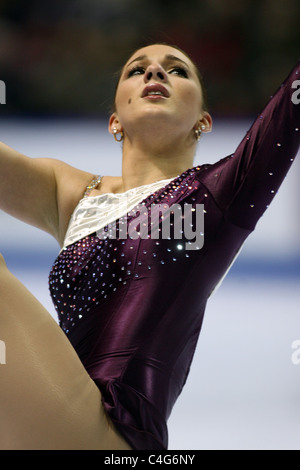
[246, 182]
[39, 191]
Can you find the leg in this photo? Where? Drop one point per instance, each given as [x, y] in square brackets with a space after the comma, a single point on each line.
[47, 399]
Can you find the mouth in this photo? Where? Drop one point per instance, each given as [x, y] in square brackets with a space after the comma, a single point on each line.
[155, 91]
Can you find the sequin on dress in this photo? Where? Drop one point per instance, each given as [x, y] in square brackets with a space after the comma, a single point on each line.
[133, 307]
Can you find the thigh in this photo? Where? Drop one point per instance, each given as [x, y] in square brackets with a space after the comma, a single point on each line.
[47, 399]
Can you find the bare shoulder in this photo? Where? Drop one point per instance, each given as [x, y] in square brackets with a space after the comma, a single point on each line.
[109, 184]
[71, 183]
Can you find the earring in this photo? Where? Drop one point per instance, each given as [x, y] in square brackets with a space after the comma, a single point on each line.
[115, 133]
[197, 134]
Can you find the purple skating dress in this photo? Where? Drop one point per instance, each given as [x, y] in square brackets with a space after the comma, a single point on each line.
[133, 307]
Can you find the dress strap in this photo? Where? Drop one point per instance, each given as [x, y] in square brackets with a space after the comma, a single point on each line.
[95, 181]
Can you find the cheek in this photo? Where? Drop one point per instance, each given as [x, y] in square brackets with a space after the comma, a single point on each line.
[191, 102]
[123, 98]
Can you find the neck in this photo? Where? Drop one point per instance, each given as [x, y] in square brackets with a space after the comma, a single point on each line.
[144, 165]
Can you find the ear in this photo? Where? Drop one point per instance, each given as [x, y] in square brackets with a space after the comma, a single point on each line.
[114, 123]
[206, 121]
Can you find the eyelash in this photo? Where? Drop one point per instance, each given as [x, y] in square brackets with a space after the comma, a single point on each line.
[134, 70]
[179, 71]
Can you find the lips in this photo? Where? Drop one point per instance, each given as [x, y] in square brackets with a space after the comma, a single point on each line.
[155, 90]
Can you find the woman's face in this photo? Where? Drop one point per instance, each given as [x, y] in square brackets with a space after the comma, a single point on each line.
[159, 85]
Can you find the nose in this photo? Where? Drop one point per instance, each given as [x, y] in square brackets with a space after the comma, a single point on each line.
[155, 71]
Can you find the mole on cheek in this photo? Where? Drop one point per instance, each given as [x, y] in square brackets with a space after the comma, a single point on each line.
[129, 101]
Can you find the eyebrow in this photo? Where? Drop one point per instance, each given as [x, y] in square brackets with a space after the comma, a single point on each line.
[167, 56]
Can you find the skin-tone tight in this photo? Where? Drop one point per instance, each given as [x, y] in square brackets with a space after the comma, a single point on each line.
[47, 399]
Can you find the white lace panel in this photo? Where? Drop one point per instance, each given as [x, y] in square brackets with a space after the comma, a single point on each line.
[95, 212]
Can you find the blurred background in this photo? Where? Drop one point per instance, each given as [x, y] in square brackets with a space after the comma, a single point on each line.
[61, 57]
[59, 61]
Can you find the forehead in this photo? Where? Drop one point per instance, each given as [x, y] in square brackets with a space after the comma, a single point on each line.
[159, 51]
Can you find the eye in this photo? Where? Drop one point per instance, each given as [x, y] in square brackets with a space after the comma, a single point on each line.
[179, 71]
[136, 71]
